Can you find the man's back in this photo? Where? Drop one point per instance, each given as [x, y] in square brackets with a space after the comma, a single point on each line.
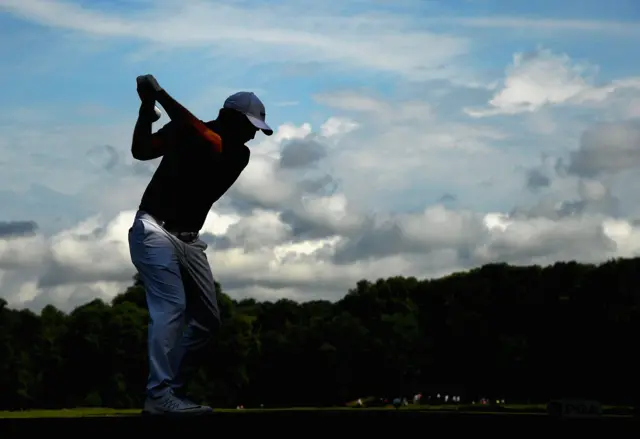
[190, 178]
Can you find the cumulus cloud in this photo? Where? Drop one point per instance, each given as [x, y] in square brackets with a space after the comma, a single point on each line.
[536, 179]
[262, 255]
[607, 148]
[435, 229]
[276, 235]
[10, 229]
[415, 179]
[405, 143]
[542, 78]
[543, 240]
[301, 153]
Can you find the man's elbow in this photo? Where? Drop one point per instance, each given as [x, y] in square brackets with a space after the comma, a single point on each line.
[144, 151]
[140, 153]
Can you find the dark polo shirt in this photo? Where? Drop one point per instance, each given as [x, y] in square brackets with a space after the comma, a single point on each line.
[190, 177]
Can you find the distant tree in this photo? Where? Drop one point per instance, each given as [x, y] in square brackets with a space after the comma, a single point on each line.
[519, 333]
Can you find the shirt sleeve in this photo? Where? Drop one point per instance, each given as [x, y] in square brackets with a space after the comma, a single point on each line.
[165, 137]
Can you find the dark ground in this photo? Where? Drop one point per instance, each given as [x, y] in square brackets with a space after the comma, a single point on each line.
[305, 423]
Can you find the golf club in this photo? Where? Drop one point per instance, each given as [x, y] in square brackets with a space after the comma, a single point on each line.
[178, 112]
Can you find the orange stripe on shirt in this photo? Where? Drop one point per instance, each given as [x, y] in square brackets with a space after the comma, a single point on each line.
[208, 134]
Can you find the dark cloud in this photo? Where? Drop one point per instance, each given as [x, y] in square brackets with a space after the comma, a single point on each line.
[447, 198]
[536, 179]
[325, 184]
[12, 229]
[330, 289]
[375, 243]
[304, 227]
[301, 153]
[58, 274]
[569, 239]
[594, 198]
[216, 242]
[607, 148]
[561, 168]
[244, 203]
[239, 204]
[457, 232]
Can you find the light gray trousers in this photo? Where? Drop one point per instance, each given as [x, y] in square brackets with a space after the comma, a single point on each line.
[181, 298]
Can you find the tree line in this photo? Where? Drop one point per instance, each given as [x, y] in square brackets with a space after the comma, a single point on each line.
[523, 334]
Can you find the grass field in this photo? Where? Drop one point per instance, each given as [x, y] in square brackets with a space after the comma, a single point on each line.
[506, 408]
[105, 412]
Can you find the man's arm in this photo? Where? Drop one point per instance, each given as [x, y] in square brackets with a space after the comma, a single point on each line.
[149, 90]
[146, 145]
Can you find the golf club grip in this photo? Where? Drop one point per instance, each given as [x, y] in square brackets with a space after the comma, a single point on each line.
[180, 114]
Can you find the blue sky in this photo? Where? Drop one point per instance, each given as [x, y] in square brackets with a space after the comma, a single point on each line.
[410, 100]
[53, 66]
[71, 68]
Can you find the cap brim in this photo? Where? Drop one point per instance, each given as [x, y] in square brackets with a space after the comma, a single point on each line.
[260, 124]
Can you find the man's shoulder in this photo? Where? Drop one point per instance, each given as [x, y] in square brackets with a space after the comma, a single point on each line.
[241, 153]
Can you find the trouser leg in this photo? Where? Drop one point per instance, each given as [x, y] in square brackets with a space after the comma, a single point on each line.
[202, 312]
[155, 258]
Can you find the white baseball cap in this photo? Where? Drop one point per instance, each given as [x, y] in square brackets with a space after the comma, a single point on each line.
[247, 103]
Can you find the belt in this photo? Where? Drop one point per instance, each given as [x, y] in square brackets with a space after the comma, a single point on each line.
[186, 237]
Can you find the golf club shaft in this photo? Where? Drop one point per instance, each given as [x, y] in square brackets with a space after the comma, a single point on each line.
[179, 113]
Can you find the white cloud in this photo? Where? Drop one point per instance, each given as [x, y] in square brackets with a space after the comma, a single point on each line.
[623, 28]
[402, 145]
[543, 240]
[358, 199]
[337, 126]
[267, 261]
[306, 245]
[541, 78]
[23, 252]
[607, 149]
[270, 252]
[286, 244]
[293, 32]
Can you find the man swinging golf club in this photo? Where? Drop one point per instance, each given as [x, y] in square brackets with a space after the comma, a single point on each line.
[200, 162]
